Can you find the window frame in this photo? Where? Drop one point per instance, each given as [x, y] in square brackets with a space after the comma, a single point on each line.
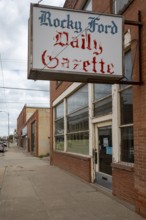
[65, 134]
[76, 111]
[55, 120]
[128, 125]
[124, 7]
[95, 101]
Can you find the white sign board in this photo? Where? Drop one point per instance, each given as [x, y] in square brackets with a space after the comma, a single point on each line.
[73, 45]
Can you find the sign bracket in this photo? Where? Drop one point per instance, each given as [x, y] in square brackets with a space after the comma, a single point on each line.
[139, 25]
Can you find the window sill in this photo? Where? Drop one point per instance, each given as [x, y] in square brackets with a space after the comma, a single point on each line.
[124, 166]
[80, 156]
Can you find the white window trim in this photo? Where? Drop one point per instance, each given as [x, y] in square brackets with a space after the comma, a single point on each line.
[116, 133]
[88, 6]
[66, 93]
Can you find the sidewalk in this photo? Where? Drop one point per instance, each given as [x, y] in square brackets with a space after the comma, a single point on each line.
[31, 189]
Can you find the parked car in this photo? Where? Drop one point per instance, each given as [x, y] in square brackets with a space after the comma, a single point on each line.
[2, 146]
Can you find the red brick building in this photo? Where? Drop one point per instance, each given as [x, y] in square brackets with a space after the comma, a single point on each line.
[98, 131]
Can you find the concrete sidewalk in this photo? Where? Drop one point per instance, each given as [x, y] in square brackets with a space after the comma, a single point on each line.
[31, 189]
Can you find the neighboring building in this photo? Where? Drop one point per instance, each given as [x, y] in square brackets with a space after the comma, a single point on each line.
[33, 130]
[98, 131]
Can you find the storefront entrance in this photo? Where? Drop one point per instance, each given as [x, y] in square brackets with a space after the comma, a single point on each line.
[104, 155]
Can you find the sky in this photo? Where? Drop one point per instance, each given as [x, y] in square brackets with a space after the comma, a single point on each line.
[15, 89]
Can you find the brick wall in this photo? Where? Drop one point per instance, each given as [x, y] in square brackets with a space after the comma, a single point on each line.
[55, 90]
[102, 6]
[139, 110]
[76, 165]
[123, 182]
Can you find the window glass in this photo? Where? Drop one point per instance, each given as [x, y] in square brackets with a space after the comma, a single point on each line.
[59, 126]
[78, 143]
[126, 106]
[88, 6]
[120, 5]
[128, 65]
[78, 121]
[101, 91]
[59, 142]
[103, 107]
[127, 146]
[78, 99]
[59, 111]
[127, 68]
[102, 99]
[126, 109]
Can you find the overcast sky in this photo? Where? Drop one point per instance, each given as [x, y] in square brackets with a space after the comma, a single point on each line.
[13, 63]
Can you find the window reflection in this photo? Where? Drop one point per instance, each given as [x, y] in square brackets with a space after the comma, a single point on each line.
[78, 121]
[78, 143]
[120, 5]
[59, 126]
[127, 144]
[59, 142]
[103, 99]
[59, 110]
[102, 90]
[126, 106]
[78, 100]
[103, 107]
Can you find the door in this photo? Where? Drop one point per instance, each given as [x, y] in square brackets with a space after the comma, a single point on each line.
[104, 158]
[33, 137]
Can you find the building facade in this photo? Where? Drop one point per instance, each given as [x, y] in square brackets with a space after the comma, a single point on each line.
[98, 130]
[33, 130]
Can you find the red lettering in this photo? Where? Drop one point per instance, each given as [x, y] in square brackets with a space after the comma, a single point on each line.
[51, 59]
[75, 43]
[83, 41]
[97, 47]
[85, 64]
[110, 68]
[89, 42]
[61, 39]
[66, 62]
[76, 64]
[102, 66]
[94, 65]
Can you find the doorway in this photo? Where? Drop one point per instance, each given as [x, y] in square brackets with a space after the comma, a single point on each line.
[104, 155]
[33, 136]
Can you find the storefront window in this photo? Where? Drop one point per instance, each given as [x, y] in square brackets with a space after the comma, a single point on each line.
[127, 152]
[59, 111]
[59, 127]
[126, 106]
[59, 142]
[78, 100]
[102, 99]
[78, 143]
[77, 122]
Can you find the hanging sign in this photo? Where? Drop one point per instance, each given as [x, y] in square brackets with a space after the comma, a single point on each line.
[77, 46]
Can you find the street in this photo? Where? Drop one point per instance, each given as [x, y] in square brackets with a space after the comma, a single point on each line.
[31, 189]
